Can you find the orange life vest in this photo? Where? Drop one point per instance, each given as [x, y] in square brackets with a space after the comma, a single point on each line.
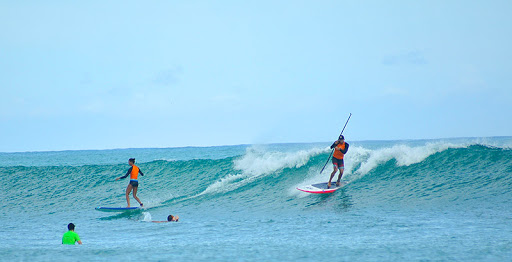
[135, 173]
[337, 153]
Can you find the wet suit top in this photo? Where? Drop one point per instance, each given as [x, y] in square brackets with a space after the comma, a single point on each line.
[337, 153]
[133, 172]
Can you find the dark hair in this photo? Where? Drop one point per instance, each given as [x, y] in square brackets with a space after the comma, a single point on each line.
[71, 226]
[132, 160]
[341, 137]
[169, 218]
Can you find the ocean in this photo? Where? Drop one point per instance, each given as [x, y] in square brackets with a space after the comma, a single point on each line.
[410, 200]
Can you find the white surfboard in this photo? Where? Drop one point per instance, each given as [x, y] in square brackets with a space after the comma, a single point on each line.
[118, 209]
[321, 188]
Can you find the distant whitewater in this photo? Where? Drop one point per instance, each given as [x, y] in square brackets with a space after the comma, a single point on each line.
[238, 184]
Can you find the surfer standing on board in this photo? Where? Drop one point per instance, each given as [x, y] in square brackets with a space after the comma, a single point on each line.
[134, 171]
[340, 149]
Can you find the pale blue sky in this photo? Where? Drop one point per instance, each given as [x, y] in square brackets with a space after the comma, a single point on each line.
[121, 74]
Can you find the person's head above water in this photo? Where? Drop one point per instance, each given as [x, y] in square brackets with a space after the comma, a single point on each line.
[131, 160]
[172, 218]
[341, 138]
[71, 226]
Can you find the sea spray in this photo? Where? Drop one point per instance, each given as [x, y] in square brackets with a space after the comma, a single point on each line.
[257, 163]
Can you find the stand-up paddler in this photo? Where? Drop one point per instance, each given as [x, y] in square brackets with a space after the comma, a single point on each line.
[340, 149]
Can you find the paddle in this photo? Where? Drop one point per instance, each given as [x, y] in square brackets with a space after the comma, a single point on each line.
[333, 148]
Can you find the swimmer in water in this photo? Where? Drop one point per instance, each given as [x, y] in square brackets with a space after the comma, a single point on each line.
[170, 218]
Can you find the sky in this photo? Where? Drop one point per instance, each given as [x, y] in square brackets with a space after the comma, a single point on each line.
[138, 74]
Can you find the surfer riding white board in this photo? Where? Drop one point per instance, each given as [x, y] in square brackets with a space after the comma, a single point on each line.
[339, 149]
[320, 188]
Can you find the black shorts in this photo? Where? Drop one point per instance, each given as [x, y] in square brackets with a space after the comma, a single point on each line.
[338, 163]
[134, 183]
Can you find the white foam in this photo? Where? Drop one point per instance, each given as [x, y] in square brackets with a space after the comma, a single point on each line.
[225, 184]
[403, 154]
[257, 163]
[367, 160]
[147, 217]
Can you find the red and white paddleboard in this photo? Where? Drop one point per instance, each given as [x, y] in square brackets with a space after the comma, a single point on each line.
[321, 188]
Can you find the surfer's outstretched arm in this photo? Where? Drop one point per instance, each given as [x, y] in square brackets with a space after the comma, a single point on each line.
[127, 173]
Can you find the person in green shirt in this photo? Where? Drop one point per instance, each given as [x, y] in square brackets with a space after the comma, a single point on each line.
[70, 237]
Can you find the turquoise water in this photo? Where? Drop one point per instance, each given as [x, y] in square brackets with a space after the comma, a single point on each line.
[405, 200]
